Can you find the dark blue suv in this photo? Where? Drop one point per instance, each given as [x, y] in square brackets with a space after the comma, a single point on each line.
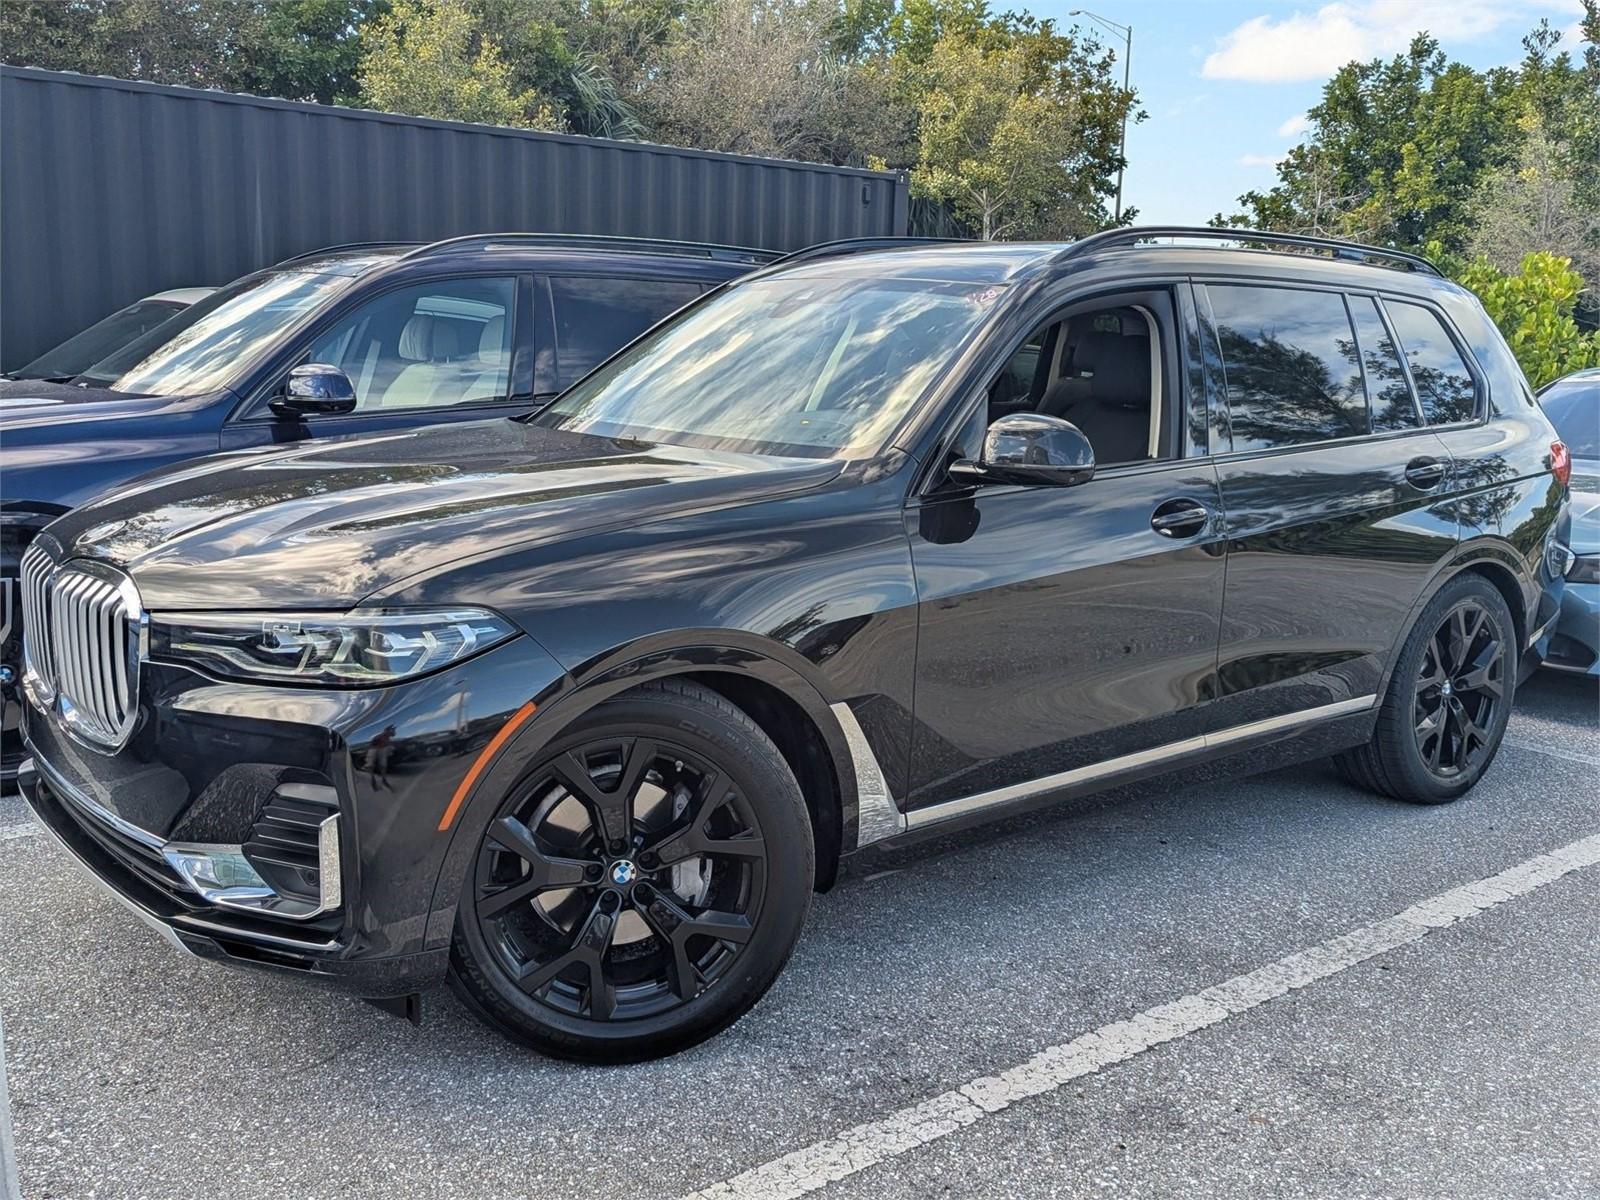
[357, 339]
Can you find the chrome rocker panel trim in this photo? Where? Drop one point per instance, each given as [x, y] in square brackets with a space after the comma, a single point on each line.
[949, 810]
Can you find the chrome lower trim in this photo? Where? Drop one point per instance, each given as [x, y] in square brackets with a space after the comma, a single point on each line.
[877, 815]
[1570, 670]
[999, 797]
[260, 901]
[1542, 630]
[80, 799]
[168, 934]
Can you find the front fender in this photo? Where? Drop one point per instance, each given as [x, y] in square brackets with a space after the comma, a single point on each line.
[609, 675]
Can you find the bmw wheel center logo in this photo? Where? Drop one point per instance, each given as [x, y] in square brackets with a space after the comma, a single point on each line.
[623, 873]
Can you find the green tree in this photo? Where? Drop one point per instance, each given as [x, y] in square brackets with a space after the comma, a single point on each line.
[296, 49]
[1534, 203]
[190, 42]
[542, 43]
[791, 94]
[1418, 149]
[427, 58]
[1396, 149]
[1020, 139]
[1534, 308]
[303, 49]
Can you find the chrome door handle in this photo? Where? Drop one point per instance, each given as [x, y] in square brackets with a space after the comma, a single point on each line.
[1425, 474]
[1180, 518]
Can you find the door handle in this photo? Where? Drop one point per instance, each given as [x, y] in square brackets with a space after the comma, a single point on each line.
[1180, 518]
[1425, 474]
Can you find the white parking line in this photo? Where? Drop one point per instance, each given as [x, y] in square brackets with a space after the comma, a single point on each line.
[848, 1153]
[1552, 752]
[10, 1189]
[8, 832]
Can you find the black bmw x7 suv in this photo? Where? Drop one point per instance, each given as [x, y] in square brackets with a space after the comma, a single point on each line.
[579, 709]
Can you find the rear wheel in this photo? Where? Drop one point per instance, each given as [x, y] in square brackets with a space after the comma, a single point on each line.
[1448, 702]
[642, 887]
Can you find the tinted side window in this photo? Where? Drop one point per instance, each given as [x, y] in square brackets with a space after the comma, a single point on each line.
[1387, 389]
[426, 346]
[1289, 364]
[1444, 385]
[595, 316]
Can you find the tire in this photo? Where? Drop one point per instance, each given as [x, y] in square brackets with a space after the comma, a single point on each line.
[637, 928]
[1449, 699]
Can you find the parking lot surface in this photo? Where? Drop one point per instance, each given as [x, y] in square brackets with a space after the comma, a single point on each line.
[1462, 1063]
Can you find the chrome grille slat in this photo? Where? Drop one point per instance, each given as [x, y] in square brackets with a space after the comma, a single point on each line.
[80, 630]
[36, 567]
[119, 646]
[95, 618]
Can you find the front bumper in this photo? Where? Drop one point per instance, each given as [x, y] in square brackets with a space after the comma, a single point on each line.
[1575, 644]
[94, 845]
[219, 767]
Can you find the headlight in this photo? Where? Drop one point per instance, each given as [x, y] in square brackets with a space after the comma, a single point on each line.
[1585, 568]
[356, 649]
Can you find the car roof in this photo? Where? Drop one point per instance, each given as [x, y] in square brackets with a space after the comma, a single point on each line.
[189, 295]
[532, 251]
[1300, 260]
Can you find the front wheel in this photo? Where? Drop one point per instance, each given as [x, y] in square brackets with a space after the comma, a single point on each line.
[1449, 699]
[643, 885]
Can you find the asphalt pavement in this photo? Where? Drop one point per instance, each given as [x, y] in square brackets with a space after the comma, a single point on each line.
[1459, 1057]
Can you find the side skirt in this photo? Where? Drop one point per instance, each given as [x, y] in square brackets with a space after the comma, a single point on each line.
[1126, 768]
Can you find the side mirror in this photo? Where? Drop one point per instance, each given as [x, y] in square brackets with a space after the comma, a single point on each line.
[1029, 448]
[315, 389]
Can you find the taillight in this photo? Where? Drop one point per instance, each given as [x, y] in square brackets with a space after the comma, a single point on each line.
[1560, 463]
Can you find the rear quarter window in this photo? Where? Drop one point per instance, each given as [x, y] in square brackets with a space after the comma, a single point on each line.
[1445, 384]
[595, 316]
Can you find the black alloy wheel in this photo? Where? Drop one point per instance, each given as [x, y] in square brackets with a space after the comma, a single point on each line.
[641, 887]
[1442, 719]
[1460, 688]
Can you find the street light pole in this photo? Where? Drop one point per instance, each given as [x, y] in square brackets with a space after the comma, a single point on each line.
[1127, 66]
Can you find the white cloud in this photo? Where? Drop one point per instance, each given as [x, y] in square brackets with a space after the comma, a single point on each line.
[1314, 45]
[1260, 160]
[1294, 126]
[1187, 104]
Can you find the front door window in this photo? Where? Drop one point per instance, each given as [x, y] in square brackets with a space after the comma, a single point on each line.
[432, 345]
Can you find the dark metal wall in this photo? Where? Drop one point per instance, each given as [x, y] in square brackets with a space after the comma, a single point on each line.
[111, 190]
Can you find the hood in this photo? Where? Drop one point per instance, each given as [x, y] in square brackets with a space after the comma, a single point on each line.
[21, 394]
[325, 524]
[34, 405]
[1584, 505]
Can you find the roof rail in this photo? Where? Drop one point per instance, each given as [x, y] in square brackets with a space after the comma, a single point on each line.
[294, 258]
[859, 244]
[594, 241]
[1352, 251]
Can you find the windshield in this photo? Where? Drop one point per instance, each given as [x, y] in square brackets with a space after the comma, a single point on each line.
[202, 348]
[111, 333]
[818, 367]
[1574, 409]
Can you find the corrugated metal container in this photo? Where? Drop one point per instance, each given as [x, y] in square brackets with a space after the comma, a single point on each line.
[112, 190]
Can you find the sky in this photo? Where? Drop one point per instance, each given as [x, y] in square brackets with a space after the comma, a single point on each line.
[1227, 83]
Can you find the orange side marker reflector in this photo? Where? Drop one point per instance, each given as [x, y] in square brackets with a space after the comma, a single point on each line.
[481, 763]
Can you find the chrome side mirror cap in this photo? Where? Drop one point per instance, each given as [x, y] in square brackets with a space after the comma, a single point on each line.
[1029, 448]
[315, 389]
